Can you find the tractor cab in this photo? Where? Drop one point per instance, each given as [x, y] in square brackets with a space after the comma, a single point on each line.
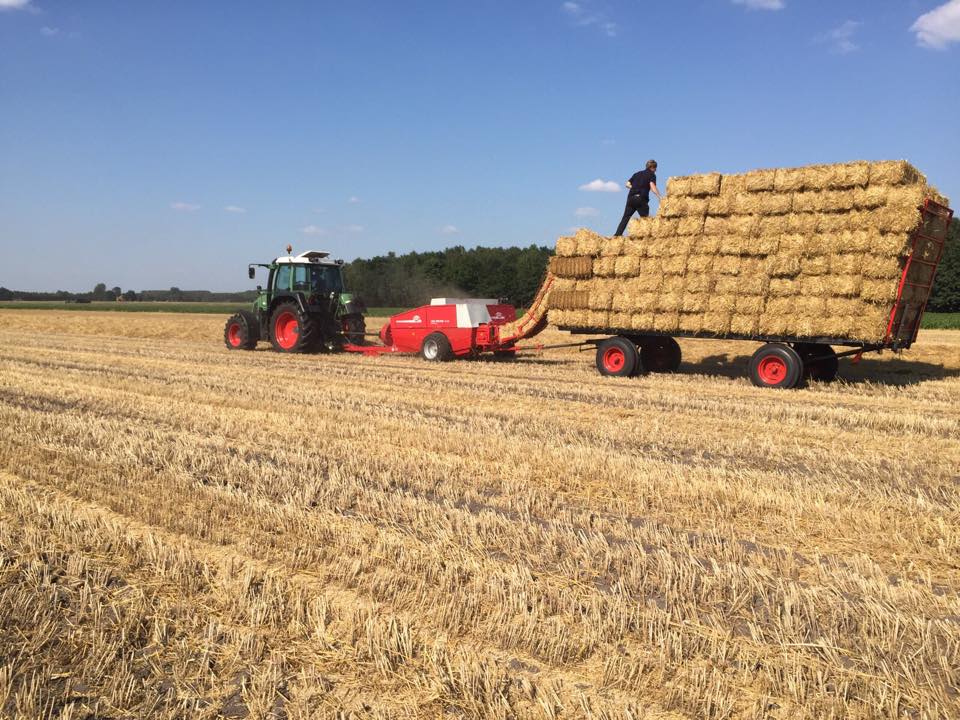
[304, 306]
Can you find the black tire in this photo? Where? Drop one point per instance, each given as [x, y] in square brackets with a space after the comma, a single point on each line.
[776, 365]
[504, 355]
[618, 357]
[436, 348]
[355, 329]
[242, 331]
[659, 354]
[291, 330]
[820, 362]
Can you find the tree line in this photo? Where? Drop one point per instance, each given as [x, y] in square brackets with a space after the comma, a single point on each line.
[410, 279]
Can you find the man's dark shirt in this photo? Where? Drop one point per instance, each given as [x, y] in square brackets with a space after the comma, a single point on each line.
[640, 183]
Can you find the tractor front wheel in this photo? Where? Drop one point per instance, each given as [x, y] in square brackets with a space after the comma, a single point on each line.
[291, 331]
[436, 348]
[242, 331]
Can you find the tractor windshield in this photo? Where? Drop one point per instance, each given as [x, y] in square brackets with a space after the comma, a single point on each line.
[325, 279]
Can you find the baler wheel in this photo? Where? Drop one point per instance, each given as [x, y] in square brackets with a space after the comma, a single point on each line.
[292, 331]
[436, 348]
[617, 357]
[241, 331]
[776, 365]
[823, 369]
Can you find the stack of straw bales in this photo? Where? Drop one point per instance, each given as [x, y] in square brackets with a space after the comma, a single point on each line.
[812, 252]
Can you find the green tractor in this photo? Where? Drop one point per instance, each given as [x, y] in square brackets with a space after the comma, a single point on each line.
[304, 308]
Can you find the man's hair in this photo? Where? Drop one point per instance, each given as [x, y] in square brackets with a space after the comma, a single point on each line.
[651, 164]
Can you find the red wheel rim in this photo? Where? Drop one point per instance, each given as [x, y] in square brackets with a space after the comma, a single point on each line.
[233, 335]
[614, 359]
[286, 329]
[772, 369]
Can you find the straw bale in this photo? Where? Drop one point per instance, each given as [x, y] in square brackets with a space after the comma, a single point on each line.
[561, 318]
[619, 320]
[664, 227]
[627, 266]
[773, 325]
[774, 203]
[691, 322]
[766, 245]
[727, 264]
[706, 245]
[636, 246]
[783, 266]
[844, 285]
[597, 319]
[721, 303]
[673, 283]
[871, 324]
[723, 204]
[641, 227]
[700, 263]
[753, 284]
[733, 184]
[857, 241]
[880, 291]
[666, 322]
[894, 172]
[816, 265]
[670, 302]
[937, 196]
[588, 242]
[716, 226]
[784, 286]
[835, 222]
[682, 245]
[758, 180]
[676, 265]
[868, 198]
[611, 246]
[566, 246]
[649, 281]
[604, 266]
[813, 285]
[810, 305]
[745, 225]
[584, 285]
[571, 267]
[600, 300]
[780, 306]
[823, 201]
[881, 267]
[727, 285]
[717, 322]
[694, 185]
[842, 306]
[896, 219]
[744, 324]
[788, 179]
[563, 284]
[849, 175]
[641, 321]
[645, 302]
[694, 302]
[804, 326]
[837, 326]
[675, 207]
[699, 282]
[692, 225]
[568, 299]
[774, 224]
[750, 304]
[802, 223]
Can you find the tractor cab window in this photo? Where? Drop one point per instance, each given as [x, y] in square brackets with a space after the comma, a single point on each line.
[301, 281]
[282, 279]
[325, 279]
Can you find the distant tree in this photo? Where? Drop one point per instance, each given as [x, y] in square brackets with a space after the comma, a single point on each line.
[100, 291]
[130, 295]
[946, 289]
[6, 294]
[117, 292]
[175, 294]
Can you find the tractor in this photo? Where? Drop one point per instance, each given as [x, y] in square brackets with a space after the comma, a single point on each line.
[304, 308]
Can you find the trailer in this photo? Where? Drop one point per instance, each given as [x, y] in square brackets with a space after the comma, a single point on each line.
[787, 361]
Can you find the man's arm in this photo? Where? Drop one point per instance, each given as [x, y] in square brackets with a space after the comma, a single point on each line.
[653, 186]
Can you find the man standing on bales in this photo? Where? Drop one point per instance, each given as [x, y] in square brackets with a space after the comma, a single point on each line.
[638, 197]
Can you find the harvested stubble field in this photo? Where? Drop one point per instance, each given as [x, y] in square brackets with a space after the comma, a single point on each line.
[193, 533]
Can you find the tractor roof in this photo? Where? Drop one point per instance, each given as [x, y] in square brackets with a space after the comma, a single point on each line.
[310, 257]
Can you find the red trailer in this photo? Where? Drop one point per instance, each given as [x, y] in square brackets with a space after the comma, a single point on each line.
[447, 328]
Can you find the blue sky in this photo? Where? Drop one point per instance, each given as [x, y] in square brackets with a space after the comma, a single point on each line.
[169, 143]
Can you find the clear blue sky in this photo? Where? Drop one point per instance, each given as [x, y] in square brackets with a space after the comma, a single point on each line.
[127, 129]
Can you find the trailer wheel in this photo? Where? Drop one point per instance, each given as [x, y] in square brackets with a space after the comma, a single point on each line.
[617, 357]
[659, 353]
[436, 348]
[776, 366]
[820, 362]
[241, 331]
[292, 331]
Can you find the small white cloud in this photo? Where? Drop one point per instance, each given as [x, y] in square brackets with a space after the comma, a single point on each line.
[840, 38]
[449, 230]
[235, 209]
[586, 212]
[762, 4]
[313, 230]
[353, 228]
[49, 31]
[939, 27]
[15, 5]
[608, 141]
[184, 206]
[582, 16]
[353, 199]
[599, 185]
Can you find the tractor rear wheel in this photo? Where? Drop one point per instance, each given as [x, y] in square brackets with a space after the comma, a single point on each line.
[618, 357]
[292, 331]
[242, 331]
[820, 362]
[355, 330]
[436, 348]
[776, 365]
